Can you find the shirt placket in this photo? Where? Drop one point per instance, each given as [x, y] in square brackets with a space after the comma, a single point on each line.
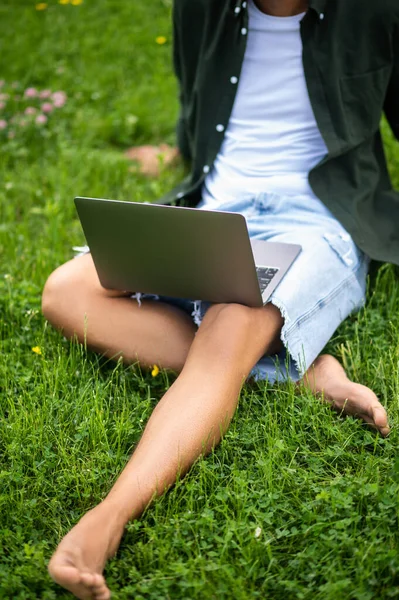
[229, 84]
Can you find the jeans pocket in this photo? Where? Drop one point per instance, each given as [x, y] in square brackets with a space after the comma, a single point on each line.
[345, 248]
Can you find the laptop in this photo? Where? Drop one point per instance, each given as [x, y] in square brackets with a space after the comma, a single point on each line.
[181, 252]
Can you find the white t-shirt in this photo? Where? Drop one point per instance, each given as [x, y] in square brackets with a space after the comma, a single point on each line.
[272, 140]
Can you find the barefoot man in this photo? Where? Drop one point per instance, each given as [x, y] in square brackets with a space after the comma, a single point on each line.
[281, 102]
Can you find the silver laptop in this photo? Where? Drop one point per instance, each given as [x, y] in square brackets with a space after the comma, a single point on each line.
[181, 252]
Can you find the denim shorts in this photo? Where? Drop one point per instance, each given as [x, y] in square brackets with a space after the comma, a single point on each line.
[326, 283]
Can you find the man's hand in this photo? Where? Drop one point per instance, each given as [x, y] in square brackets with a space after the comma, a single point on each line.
[151, 159]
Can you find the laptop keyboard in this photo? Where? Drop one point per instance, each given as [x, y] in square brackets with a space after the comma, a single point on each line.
[265, 275]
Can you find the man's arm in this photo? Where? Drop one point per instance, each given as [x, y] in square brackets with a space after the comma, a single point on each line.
[391, 106]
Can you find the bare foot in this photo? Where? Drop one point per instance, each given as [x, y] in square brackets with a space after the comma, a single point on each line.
[150, 159]
[326, 376]
[79, 560]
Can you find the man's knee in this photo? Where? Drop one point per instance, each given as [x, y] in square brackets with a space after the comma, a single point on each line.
[233, 317]
[72, 283]
[56, 290]
[64, 287]
[244, 316]
[239, 323]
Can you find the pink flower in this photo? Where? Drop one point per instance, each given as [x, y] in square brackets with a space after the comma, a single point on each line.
[59, 99]
[3, 124]
[23, 122]
[4, 96]
[30, 92]
[47, 107]
[2, 105]
[45, 94]
[31, 110]
[41, 119]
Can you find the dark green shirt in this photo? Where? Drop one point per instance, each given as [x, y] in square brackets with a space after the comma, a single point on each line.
[351, 64]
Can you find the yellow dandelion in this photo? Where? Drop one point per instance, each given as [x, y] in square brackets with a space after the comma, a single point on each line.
[41, 6]
[76, 2]
[63, 1]
[161, 40]
[155, 370]
[37, 350]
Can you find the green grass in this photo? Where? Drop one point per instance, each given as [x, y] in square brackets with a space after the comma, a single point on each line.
[323, 490]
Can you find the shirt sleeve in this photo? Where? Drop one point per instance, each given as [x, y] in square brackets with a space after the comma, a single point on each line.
[391, 106]
[181, 128]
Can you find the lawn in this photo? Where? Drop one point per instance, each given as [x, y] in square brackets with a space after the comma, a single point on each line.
[296, 502]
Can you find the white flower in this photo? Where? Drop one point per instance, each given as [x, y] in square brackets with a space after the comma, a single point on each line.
[258, 532]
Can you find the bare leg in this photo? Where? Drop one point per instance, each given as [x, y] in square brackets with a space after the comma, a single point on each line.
[328, 378]
[74, 301]
[188, 421]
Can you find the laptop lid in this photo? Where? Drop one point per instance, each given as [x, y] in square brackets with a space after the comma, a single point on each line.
[171, 251]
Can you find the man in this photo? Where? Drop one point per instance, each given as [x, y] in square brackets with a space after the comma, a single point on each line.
[281, 104]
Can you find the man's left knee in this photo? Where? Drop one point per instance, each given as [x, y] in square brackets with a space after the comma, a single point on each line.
[231, 315]
[235, 317]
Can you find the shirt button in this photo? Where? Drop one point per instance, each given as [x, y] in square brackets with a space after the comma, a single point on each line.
[237, 9]
[233, 79]
[244, 31]
[206, 169]
[220, 128]
[321, 16]
[244, 5]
